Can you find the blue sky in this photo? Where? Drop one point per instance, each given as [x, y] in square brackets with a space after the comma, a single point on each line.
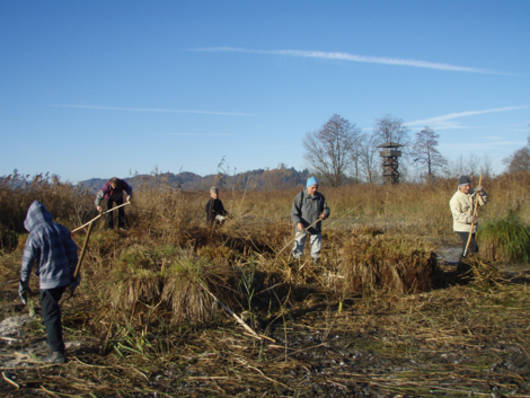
[110, 88]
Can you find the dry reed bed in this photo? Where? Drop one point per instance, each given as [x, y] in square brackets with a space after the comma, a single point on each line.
[456, 341]
[354, 324]
[143, 279]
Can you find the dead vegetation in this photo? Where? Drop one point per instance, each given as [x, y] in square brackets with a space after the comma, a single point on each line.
[380, 315]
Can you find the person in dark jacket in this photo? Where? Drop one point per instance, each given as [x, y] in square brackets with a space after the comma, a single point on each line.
[113, 191]
[50, 246]
[308, 210]
[215, 211]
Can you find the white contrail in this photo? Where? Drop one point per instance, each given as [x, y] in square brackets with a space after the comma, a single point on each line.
[160, 110]
[446, 121]
[353, 58]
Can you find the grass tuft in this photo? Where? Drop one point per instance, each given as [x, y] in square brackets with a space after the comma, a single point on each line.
[505, 240]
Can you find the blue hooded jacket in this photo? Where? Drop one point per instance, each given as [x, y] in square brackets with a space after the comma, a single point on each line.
[50, 245]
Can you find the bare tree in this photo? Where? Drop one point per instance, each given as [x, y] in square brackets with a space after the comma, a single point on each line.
[368, 158]
[329, 150]
[388, 129]
[520, 160]
[425, 152]
[469, 166]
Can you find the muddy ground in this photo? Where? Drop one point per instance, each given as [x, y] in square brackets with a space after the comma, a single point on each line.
[463, 339]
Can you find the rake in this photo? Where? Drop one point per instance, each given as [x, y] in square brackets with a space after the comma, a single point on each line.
[475, 212]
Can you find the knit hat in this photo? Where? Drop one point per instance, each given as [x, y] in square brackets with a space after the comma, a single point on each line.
[464, 180]
[311, 181]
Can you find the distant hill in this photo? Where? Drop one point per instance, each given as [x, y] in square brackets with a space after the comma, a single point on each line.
[254, 180]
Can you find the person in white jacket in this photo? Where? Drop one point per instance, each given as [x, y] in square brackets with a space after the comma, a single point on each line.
[462, 205]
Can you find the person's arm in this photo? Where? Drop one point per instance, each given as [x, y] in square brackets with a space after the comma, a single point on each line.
[100, 195]
[482, 196]
[325, 209]
[128, 188]
[70, 248]
[30, 254]
[222, 210]
[208, 209]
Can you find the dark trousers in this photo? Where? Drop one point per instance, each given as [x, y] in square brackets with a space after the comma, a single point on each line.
[111, 202]
[473, 247]
[51, 317]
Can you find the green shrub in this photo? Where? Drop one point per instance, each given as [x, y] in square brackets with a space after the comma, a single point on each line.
[505, 239]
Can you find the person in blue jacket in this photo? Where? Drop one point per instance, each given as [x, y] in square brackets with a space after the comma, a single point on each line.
[50, 248]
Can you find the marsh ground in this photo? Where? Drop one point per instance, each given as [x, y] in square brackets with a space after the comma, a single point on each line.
[140, 325]
[463, 338]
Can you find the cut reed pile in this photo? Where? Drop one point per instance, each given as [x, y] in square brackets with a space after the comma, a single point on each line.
[168, 284]
[461, 341]
[392, 264]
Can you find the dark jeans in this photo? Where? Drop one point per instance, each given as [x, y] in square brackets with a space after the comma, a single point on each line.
[111, 202]
[51, 317]
[473, 247]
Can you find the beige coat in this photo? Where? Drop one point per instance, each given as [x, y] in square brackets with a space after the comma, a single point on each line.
[461, 205]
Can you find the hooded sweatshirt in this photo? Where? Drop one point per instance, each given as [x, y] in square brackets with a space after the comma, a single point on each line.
[50, 246]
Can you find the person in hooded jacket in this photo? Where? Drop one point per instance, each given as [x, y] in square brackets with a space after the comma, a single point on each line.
[50, 248]
[308, 210]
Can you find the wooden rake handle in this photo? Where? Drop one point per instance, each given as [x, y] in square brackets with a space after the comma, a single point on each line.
[475, 212]
[83, 251]
[292, 240]
[99, 215]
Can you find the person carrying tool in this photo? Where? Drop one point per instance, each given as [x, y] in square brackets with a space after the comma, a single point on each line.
[308, 209]
[113, 191]
[51, 247]
[215, 211]
[462, 205]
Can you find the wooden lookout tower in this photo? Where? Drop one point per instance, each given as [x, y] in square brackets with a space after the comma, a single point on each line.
[390, 154]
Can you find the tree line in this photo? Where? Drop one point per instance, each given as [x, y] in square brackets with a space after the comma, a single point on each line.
[341, 153]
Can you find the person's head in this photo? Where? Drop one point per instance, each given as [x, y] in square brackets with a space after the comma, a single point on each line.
[214, 192]
[464, 184]
[113, 182]
[311, 185]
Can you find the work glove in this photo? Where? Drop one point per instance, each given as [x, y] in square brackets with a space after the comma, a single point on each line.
[23, 290]
[471, 219]
[479, 189]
